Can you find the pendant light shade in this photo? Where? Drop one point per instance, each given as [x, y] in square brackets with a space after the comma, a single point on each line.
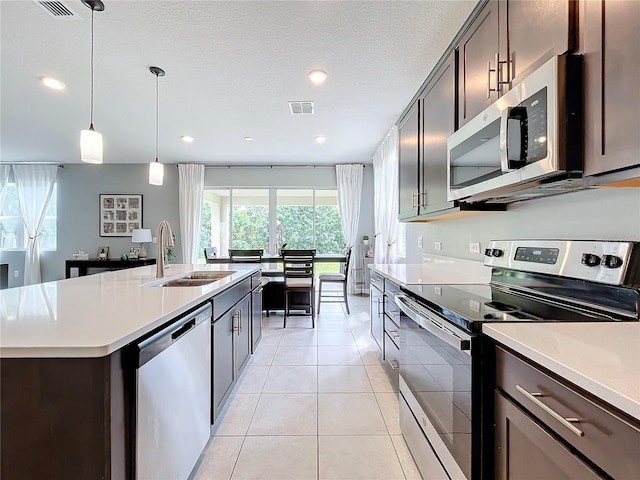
[90, 140]
[156, 173]
[156, 169]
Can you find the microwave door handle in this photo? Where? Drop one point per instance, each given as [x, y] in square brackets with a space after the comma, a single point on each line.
[504, 125]
[434, 328]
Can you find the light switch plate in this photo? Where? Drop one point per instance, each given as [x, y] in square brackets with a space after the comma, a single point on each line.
[437, 245]
[474, 247]
[420, 241]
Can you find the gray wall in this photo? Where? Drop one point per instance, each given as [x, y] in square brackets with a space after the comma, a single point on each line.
[78, 208]
[78, 211]
[598, 214]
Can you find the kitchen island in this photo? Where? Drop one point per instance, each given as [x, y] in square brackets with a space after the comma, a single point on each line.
[67, 383]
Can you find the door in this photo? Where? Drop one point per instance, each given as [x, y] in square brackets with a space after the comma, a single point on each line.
[477, 79]
[242, 335]
[525, 450]
[256, 318]
[222, 355]
[408, 134]
[612, 63]
[538, 30]
[438, 122]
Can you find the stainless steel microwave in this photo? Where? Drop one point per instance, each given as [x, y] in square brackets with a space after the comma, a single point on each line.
[526, 144]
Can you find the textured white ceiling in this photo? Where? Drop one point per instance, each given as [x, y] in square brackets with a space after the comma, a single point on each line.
[231, 67]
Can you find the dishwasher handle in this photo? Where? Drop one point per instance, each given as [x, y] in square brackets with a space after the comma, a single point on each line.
[152, 346]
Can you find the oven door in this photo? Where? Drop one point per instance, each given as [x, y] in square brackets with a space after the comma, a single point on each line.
[435, 382]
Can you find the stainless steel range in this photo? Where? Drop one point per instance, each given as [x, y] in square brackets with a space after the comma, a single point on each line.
[445, 407]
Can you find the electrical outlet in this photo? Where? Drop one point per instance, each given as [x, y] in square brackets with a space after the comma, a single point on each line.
[437, 245]
[420, 241]
[474, 247]
[154, 240]
[16, 273]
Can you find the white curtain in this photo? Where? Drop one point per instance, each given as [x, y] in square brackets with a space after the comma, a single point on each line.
[191, 185]
[385, 178]
[4, 179]
[349, 194]
[34, 185]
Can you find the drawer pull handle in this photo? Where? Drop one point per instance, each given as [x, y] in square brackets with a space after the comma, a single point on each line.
[393, 364]
[567, 422]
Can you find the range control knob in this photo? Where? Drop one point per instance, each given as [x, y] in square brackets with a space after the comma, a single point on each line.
[611, 261]
[590, 260]
[487, 252]
[496, 252]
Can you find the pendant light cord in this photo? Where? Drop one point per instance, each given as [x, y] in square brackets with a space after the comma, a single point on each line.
[157, 112]
[91, 119]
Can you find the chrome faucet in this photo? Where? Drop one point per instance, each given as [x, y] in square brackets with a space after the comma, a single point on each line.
[163, 241]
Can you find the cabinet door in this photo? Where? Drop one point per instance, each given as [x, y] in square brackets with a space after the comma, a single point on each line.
[538, 30]
[408, 133]
[477, 50]
[612, 63]
[377, 316]
[524, 450]
[438, 122]
[256, 318]
[242, 346]
[222, 355]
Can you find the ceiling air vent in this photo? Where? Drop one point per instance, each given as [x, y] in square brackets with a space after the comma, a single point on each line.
[57, 9]
[301, 108]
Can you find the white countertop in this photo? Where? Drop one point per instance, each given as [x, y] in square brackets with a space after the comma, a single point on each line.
[95, 315]
[603, 358]
[436, 270]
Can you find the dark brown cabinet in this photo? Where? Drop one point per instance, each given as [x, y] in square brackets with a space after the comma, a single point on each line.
[525, 450]
[546, 427]
[505, 42]
[477, 51]
[611, 49]
[438, 122]
[408, 158]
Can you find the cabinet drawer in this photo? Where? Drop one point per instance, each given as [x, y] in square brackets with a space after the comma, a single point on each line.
[391, 288]
[227, 299]
[391, 363]
[377, 281]
[392, 312]
[256, 280]
[607, 438]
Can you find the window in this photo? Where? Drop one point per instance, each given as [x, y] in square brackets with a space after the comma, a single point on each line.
[13, 235]
[267, 218]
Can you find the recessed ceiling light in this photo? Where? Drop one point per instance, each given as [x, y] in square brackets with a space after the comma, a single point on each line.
[317, 77]
[52, 83]
[321, 139]
[249, 139]
[187, 138]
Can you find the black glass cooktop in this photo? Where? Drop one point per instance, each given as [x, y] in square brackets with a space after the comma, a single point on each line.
[469, 306]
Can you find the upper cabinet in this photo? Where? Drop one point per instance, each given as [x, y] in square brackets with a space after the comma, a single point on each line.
[611, 49]
[505, 42]
[423, 136]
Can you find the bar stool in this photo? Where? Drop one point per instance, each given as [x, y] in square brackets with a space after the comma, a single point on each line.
[342, 278]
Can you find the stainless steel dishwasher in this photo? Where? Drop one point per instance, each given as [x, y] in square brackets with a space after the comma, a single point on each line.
[173, 392]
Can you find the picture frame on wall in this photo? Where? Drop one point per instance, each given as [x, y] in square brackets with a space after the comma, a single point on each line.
[120, 214]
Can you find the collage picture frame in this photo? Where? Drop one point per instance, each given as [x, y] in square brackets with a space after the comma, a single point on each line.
[120, 214]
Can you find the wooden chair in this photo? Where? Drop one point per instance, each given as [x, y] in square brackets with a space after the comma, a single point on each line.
[342, 278]
[210, 253]
[246, 256]
[299, 283]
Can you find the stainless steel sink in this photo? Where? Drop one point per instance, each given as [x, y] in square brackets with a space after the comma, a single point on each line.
[194, 279]
[208, 275]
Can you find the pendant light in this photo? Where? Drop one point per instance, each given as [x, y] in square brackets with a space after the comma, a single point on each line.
[90, 140]
[156, 169]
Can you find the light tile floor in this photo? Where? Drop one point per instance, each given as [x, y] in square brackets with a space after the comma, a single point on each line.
[311, 404]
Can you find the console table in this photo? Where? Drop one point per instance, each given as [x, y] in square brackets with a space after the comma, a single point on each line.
[110, 264]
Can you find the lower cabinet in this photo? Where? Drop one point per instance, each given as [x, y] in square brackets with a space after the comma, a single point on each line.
[222, 358]
[377, 310]
[242, 337]
[546, 427]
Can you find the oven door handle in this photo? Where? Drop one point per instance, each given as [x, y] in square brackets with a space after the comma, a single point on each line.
[456, 339]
